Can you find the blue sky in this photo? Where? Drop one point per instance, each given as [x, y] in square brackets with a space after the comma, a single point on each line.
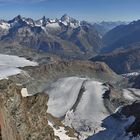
[90, 10]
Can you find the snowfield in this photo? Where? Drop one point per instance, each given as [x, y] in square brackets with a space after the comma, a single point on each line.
[131, 94]
[9, 65]
[80, 101]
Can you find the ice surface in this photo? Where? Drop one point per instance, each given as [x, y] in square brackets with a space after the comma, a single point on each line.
[9, 65]
[84, 111]
[63, 94]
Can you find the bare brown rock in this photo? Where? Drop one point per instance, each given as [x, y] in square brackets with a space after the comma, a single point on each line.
[23, 118]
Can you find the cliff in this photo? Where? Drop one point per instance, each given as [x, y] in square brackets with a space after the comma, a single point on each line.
[23, 118]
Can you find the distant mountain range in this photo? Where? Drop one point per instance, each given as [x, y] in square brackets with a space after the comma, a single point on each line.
[121, 48]
[66, 36]
[103, 27]
[122, 36]
[74, 39]
[122, 61]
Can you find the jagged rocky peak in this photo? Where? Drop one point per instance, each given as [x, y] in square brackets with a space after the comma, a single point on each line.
[69, 20]
[16, 19]
[43, 21]
[29, 21]
[65, 17]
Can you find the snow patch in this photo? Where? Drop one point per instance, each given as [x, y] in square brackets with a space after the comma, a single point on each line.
[131, 74]
[24, 92]
[131, 94]
[61, 133]
[53, 25]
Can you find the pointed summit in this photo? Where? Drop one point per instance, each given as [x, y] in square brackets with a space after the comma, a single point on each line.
[43, 20]
[69, 21]
[16, 19]
[65, 17]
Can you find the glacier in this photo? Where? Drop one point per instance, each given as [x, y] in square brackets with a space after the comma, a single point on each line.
[9, 65]
[79, 101]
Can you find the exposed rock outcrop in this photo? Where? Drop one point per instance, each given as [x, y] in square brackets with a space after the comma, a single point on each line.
[38, 78]
[23, 118]
[133, 110]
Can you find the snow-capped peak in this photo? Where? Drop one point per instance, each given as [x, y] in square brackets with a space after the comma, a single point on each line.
[4, 25]
[69, 21]
[18, 21]
[65, 17]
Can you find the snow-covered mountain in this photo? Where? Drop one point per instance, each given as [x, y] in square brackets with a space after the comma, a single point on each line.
[82, 104]
[65, 36]
[85, 98]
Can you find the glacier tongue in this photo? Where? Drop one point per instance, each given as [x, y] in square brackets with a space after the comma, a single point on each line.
[80, 101]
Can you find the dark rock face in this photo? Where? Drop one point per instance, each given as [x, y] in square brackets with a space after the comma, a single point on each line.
[104, 27]
[123, 61]
[121, 48]
[133, 110]
[23, 118]
[135, 81]
[122, 36]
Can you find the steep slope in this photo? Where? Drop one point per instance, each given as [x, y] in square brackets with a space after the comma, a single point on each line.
[24, 116]
[18, 116]
[27, 118]
[122, 36]
[78, 102]
[133, 80]
[81, 102]
[103, 27]
[122, 61]
[122, 125]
